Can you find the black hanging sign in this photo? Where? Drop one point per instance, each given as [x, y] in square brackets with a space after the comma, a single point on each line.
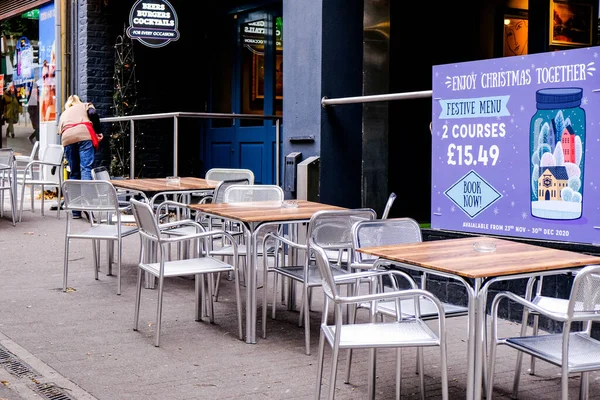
[153, 23]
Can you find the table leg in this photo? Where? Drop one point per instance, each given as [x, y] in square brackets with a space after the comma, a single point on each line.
[474, 350]
[251, 261]
[293, 260]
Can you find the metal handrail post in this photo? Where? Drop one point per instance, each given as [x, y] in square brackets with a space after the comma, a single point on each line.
[131, 149]
[277, 142]
[175, 144]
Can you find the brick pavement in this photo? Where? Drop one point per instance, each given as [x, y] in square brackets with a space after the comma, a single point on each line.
[83, 340]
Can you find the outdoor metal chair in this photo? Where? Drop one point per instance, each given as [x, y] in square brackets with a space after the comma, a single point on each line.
[573, 350]
[156, 264]
[94, 197]
[23, 160]
[386, 232]
[553, 304]
[388, 205]
[226, 174]
[242, 194]
[332, 231]
[8, 182]
[123, 195]
[50, 167]
[398, 333]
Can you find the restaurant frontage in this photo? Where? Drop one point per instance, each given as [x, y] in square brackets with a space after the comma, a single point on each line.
[228, 57]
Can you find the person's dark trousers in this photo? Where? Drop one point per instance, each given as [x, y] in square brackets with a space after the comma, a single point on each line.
[34, 116]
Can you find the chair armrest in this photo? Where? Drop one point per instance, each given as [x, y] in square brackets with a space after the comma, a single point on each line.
[206, 199]
[392, 295]
[525, 303]
[279, 238]
[180, 223]
[31, 164]
[374, 274]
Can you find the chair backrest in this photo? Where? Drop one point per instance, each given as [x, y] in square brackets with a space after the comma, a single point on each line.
[332, 229]
[225, 174]
[219, 192]
[53, 154]
[100, 174]
[327, 280]
[388, 205]
[145, 220]
[584, 302]
[7, 158]
[93, 196]
[244, 193]
[34, 150]
[382, 232]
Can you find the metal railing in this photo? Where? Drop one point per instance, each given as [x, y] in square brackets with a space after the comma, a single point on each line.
[325, 101]
[176, 115]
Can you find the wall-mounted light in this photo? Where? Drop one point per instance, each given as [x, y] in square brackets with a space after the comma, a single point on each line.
[507, 22]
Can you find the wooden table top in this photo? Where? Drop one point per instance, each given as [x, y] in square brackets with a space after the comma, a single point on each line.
[160, 184]
[263, 211]
[459, 257]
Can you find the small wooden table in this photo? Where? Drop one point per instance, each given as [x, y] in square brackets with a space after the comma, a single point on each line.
[477, 270]
[256, 216]
[160, 185]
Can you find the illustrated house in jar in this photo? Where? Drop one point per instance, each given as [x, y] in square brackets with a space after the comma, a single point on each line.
[551, 181]
[568, 144]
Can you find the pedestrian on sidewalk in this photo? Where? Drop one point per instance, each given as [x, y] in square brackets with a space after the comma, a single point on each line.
[34, 113]
[79, 138]
[12, 109]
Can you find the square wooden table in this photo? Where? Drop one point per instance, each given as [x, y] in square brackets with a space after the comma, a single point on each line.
[477, 270]
[256, 216]
[159, 186]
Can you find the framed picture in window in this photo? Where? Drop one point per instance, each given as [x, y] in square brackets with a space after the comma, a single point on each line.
[515, 38]
[570, 23]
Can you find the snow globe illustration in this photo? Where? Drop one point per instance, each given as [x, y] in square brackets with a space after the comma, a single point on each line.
[557, 148]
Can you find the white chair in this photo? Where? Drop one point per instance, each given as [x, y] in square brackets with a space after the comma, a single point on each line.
[8, 176]
[331, 230]
[225, 174]
[573, 351]
[23, 160]
[94, 197]
[123, 195]
[397, 333]
[388, 205]
[383, 232]
[242, 194]
[156, 264]
[50, 167]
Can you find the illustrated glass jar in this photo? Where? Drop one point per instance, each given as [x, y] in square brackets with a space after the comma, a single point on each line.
[557, 153]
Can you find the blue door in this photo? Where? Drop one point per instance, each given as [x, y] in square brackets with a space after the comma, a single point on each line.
[249, 81]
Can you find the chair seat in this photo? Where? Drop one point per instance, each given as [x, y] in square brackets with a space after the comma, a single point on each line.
[104, 232]
[408, 333]
[314, 276]
[190, 266]
[584, 351]
[427, 308]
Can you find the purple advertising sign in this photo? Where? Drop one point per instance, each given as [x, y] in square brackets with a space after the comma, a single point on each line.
[516, 146]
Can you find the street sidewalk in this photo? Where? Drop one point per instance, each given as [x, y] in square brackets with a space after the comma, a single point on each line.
[81, 343]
